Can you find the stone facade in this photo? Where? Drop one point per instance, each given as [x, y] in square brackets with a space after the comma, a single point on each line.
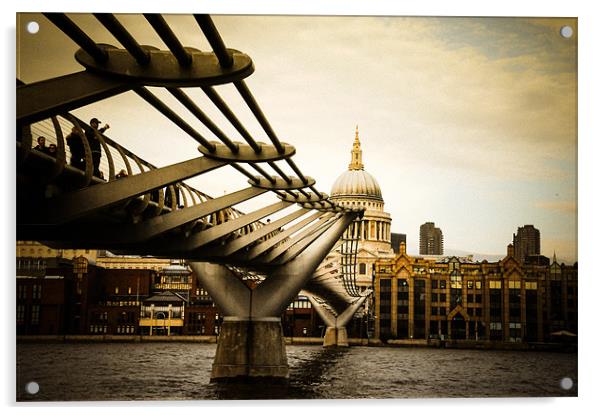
[358, 188]
[455, 298]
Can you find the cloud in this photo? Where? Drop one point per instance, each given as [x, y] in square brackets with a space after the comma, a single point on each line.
[447, 107]
[560, 206]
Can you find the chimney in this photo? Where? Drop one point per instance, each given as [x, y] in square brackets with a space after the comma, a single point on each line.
[510, 251]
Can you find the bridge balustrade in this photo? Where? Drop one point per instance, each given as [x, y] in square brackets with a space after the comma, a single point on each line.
[152, 211]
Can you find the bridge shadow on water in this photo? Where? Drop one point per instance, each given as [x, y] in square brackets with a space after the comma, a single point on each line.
[307, 380]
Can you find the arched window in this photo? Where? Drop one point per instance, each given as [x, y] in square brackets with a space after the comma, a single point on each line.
[362, 268]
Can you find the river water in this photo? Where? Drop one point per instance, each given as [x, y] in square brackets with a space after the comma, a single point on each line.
[177, 371]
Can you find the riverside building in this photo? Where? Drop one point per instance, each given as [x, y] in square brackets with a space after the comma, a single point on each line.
[454, 298]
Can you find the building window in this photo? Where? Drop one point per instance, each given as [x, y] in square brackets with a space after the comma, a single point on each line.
[477, 285]
[470, 284]
[116, 290]
[531, 285]
[20, 313]
[514, 284]
[442, 284]
[456, 281]
[129, 290]
[514, 332]
[362, 268]
[35, 314]
[385, 285]
[495, 284]
[37, 292]
[495, 326]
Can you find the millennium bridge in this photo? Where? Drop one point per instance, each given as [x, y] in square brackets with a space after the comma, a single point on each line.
[140, 208]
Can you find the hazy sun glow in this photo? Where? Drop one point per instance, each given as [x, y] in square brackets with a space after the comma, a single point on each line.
[467, 122]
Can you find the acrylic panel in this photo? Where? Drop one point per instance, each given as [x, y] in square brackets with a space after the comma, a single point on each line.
[339, 207]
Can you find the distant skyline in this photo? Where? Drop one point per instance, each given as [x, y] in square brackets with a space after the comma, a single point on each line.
[466, 122]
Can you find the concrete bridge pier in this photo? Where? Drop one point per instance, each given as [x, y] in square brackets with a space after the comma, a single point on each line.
[251, 342]
[336, 331]
[250, 349]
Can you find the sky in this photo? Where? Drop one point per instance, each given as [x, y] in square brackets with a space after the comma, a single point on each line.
[470, 123]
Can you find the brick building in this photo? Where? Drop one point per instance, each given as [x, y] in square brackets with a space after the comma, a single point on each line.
[455, 298]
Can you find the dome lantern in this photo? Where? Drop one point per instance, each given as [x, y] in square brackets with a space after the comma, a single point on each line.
[356, 153]
[356, 182]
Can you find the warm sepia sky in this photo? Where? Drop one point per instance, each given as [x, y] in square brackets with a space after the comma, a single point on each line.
[467, 122]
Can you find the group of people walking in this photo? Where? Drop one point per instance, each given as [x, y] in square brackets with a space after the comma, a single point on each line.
[76, 146]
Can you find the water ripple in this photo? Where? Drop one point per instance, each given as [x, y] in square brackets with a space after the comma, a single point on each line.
[177, 371]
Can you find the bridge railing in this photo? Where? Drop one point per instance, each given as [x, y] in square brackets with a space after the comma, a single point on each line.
[208, 228]
[115, 159]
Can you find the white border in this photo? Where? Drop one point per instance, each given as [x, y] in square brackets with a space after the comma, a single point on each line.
[589, 176]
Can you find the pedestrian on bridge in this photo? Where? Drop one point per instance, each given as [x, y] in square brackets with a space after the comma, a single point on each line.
[41, 145]
[95, 143]
[76, 146]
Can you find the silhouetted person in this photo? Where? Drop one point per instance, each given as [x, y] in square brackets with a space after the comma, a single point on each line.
[76, 146]
[41, 145]
[95, 143]
[52, 150]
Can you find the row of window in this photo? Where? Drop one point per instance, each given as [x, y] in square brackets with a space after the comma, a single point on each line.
[126, 330]
[456, 282]
[35, 313]
[121, 303]
[98, 329]
[36, 292]
[299, 304]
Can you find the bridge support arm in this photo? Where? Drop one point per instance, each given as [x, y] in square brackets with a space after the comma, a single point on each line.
[327, 317]
[336, 330]
[251, 342]
[280, 287]
[91, 199]
[230, 294]
[58, 95]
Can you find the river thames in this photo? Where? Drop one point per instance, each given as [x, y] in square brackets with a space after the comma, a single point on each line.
[180, 371]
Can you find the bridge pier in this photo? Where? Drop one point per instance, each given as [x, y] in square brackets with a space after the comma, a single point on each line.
[251, 342]
[250, 349]
[335, 336]
[336, 331]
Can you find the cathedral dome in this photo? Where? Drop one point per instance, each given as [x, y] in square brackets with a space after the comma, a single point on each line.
[356, 182]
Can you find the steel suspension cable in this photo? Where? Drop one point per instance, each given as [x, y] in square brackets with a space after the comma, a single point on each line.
[215, 40]
[169, 38]
[124, 37]
[175, 118]
[67, 26]
[227, 112]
